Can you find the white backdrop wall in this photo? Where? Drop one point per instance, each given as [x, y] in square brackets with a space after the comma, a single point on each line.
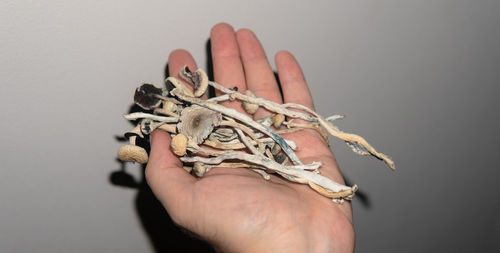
[419, 79]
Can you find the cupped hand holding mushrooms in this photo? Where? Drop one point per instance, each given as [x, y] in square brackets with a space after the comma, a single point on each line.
[249, 170]
[196, 124]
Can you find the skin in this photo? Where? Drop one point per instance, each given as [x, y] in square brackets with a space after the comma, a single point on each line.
[235, 209]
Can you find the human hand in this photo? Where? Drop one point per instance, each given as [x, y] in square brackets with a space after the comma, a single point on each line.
[235, 209]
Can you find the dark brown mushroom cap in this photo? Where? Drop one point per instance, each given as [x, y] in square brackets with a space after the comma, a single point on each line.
[196, 122]
[146, 96]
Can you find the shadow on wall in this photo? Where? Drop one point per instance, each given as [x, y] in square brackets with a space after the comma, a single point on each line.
[164, 235]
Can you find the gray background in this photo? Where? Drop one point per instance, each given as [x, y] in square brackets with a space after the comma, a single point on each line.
[418, 79]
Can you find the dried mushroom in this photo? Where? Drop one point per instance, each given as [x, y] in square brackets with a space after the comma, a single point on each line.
[146, 96]
[197, 122]
[199, 80]
[136, 132]
[250, 108]
[278, 120]
[179, 144]
[218, 136]
[132, 153]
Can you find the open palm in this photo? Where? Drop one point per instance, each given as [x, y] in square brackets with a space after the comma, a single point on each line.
[235, 209]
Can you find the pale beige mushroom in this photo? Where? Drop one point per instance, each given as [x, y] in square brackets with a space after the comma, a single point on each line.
[134, 133]
[196, 122]
[192, 121]
[249, 107]
[167, 108]
[179, 144]
[199, 80]
[200, 168]
[180, 85]
[132, 153]
[278, 120]
[168, 128]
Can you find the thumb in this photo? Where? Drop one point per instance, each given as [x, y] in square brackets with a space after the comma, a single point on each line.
[171, 184]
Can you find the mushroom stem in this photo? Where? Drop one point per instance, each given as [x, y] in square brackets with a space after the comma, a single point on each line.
[247, 143]
[293, 127]
[168, 128]
[271, 106]
[239, 127]
[132, 140]
[292, 171]
[243, 118]
[219, 99]
[142, 115]
[203, 140]
[179, 85]
[282, 108]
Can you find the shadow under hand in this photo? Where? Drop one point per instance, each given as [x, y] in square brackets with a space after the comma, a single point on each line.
[164, 235]
[361, 196]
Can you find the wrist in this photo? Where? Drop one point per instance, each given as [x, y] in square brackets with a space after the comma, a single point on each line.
[312, 239]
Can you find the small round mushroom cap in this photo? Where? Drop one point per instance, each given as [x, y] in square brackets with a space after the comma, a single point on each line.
[132, 153]
[147, 126]
[200, 168]
[179, 144]
[278, 120]
[196, 122]
[249, 107]
[146, 96]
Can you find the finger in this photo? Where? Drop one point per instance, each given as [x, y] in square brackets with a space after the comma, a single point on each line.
[177, 60]
[171, 184]
[228, 70]
[258, 73]
[292, 80]
[295, 90]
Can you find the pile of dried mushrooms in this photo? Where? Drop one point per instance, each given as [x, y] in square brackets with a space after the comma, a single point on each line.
[206, 134]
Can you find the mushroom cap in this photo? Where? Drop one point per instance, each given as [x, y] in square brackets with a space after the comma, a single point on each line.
[185, 72]
[146, 96]
[199, 80]
[250, 108]
[179, 144]
[196, 122]
[132, 153]
[147, 126]
[200, 169]
[174, 82]
[278, 119]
